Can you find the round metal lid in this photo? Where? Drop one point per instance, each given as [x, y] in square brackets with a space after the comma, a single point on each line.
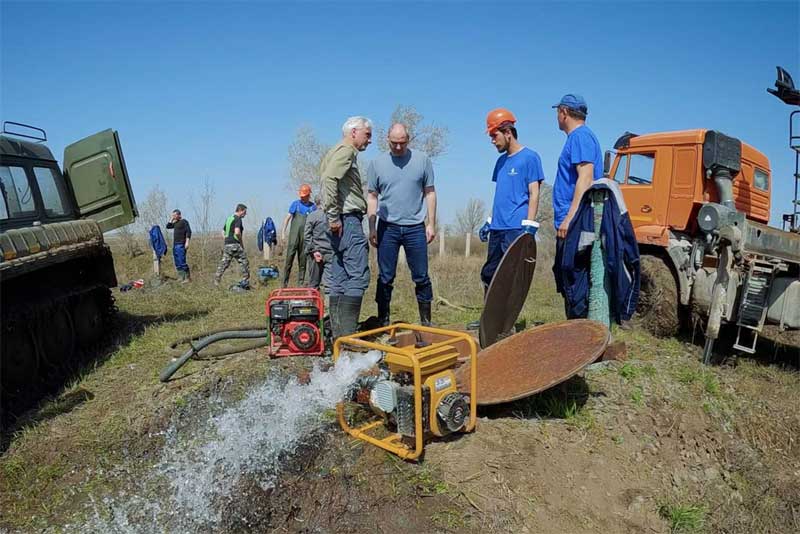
[535, 360]
[508, 289]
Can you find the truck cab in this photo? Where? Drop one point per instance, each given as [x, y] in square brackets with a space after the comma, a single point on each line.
[664, 182]
[699, 203]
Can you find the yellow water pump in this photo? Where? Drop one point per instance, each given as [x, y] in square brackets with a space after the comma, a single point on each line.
[414, 394]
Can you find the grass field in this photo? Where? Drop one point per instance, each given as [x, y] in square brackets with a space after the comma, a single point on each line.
[656, 443]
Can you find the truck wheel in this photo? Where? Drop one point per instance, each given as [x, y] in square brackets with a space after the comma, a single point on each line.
[657, 310]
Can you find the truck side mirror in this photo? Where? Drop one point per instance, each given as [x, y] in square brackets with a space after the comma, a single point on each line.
[606, 163]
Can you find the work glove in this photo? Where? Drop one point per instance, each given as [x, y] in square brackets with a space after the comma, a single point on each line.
[483, 233]
[530, 227]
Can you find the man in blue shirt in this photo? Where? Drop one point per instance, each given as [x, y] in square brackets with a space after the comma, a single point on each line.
[517, 174]
[400, 195]
[580, 163]
[295, 222]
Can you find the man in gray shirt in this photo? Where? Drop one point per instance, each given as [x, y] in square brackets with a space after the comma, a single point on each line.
[318, 248]
[400, 194]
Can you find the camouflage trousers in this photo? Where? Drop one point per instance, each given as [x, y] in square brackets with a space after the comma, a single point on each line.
[230, 252]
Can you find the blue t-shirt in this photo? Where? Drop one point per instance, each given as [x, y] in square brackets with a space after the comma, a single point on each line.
[298, 206]
[400, 183]
[513, 174]
[581, 147]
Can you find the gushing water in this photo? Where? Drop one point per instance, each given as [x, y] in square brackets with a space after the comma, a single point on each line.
[200, 472]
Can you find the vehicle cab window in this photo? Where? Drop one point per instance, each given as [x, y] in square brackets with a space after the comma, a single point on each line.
[640, 171]
[51, 187]
[17, 193]
[761, 179]
[622, 168]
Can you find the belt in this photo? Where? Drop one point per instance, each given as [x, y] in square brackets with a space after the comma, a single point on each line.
[403, 225]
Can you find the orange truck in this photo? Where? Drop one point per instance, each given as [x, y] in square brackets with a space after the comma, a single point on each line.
[699, 202]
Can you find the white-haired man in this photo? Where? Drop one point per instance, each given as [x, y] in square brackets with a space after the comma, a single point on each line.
[345, 205]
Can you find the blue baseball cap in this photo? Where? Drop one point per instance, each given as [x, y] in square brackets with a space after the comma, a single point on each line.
[575, 102]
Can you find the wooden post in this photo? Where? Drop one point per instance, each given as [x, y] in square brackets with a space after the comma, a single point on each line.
[442, 235]
[156, 265]
[467, 244]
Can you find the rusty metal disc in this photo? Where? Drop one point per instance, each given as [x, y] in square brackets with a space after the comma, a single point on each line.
[535, 360]
[508, 289]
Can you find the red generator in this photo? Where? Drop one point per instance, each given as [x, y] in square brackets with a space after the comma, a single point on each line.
[295, 323]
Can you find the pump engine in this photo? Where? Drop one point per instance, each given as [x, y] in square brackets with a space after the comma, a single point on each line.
[295, 322]
[414, 392]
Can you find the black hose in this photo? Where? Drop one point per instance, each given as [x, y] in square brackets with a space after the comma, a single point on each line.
[199, 335]
[209, 353]
[208, 340]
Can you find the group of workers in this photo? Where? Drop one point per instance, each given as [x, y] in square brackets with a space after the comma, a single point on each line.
[400, 206]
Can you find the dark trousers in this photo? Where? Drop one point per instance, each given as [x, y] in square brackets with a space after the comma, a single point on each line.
[349, 268]
[415, 244]
[179, 255]
[499, 241]
[557, 265]
[317, 272]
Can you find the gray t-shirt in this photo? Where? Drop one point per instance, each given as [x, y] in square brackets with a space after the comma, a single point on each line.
[400, 183]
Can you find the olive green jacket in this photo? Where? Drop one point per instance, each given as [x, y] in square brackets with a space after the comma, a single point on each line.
[341, 182]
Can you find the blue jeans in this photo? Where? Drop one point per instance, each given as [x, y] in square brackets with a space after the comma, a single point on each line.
[499, 241]
[413, 240]
[349, 268]
[179, 255]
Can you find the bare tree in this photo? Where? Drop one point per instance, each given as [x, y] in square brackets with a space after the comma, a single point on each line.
[203, 215]
[428, 138]
[305, 156]
[130, 241]
[153, 211]
[471, 217]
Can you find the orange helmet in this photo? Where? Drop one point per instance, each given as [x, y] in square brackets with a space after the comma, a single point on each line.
[496, 117]
[305, 190]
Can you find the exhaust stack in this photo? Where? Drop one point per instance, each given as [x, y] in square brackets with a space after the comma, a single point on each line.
[722, 158]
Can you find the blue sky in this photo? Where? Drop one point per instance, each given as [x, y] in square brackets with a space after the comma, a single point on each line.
[219, 89]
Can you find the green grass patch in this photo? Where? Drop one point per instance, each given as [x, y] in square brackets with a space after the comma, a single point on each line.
[628, 371]
[711, 384]
[688, 375]
[684, 519]
[637, 396]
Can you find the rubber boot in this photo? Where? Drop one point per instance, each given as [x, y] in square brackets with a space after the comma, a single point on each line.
[333, 313]
[349, 311]
[383, 314]
[424, 313]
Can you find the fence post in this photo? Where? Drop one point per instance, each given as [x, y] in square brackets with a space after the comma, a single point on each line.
[467, 245]
[441, 242]
[156, 264]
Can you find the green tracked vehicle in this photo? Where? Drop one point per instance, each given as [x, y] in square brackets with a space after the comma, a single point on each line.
[56, 270]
